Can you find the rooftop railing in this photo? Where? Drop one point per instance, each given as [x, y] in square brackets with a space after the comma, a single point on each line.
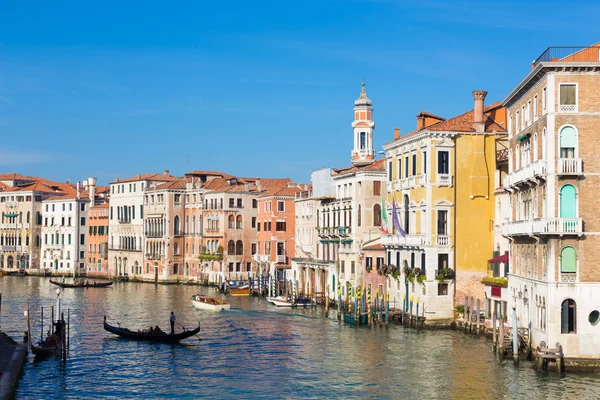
[569, 54]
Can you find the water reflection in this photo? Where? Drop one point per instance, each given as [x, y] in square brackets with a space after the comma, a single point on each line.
[256, 350]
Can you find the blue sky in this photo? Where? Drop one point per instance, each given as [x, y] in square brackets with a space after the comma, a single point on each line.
[261, 88]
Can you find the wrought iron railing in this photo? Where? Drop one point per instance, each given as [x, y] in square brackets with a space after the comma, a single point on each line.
[569, 54]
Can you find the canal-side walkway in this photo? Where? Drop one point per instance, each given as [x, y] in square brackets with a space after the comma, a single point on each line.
[12, 358]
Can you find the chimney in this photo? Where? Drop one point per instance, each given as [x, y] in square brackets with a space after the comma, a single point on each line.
[166, 172]
[420, 122]
[396, 133]
[78, 195]
[85, 184]
[258, 188]
[92, 190]
[478, 121]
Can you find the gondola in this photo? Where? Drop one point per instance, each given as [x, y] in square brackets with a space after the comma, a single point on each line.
[53, 343]
[160, 337]
[82, 284]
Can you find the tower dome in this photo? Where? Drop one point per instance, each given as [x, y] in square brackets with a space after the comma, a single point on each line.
[363, 100]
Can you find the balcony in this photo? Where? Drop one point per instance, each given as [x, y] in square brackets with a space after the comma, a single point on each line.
[567, 108]
[412, 181]
[389, 186]
[153, 256]
[397, 185]
[124, 220]
[409, 240]
[569, 54]
[568, 277]
[546, 226]
[528, 173]
[153, 234]
[442, 240]
[261, 257]
[281, 259]
[444, 180]
[559, 226]
[570, 166]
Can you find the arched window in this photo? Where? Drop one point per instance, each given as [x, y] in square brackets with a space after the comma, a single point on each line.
[377, 215]
[239, 248]
[568, 202]
[175, 248]
[187, 224]
[544, 144]
[38, 218]
[231, 248]
[176, 225]
[535, 147]
[238, 222]
[21, 217]
[568, 317]
[568, 260]
[187, 248]
[194, 225]
[568, 142]
[231, 222]
[28, 217]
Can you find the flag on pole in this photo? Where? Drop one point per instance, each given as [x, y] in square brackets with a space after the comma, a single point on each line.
[395, 219]
[384, 220]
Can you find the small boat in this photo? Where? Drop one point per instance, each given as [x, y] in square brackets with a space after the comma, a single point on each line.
[280, 298]
[153, 335]
[86, 284]
[210, 303]
[239, 290]
[300, 302]
[52, 344]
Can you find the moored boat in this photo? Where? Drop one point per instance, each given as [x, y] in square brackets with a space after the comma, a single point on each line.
[210, 303]
[272, 299]
[239, 290]
[151, 335]
[300, 302]
[82, 284]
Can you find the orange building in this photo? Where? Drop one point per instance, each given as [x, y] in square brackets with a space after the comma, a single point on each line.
[275, 230]
[97, 262]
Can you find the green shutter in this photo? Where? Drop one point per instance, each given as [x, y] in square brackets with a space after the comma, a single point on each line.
[568, 202]
[567, 137]
[568, 260]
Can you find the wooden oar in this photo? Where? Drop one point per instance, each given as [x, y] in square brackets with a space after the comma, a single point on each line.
[185, 329]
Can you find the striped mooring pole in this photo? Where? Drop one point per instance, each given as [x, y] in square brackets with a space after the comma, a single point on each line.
[339, 290]
[369, 316]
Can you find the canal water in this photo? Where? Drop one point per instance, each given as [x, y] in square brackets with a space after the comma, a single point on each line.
[257, 351]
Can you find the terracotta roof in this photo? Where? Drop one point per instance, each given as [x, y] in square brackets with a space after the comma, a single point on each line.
[84, 195]
[205, 172]
[148, 177]
[11, 176]
[376, 246]
[283, 192]
[462, 123]
[179, 184]
[377, 165]
[430, 115]
[103, 205]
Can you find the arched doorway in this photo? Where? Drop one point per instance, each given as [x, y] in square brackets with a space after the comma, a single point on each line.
[568, 317]
[23, 262]
[137, 268]
[56, 264]
[10, 262]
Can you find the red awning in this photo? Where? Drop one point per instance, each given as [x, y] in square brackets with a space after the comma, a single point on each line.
[500, 259]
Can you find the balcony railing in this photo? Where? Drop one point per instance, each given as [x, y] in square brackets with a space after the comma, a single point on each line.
[124, 220]
[412, 181]
[569, 54]
[546, 226]
[153, 234]
[422, 179]
[442, 240]
[398, 184]
[526, 173]
[405, 183]
[568, 277]
[154, 256]
[444, 180]
[567, 108]
[570, 166]
[389, 186]
[281, 259]
[399, 241]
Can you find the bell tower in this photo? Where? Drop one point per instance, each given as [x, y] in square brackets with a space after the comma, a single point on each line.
[363, 126]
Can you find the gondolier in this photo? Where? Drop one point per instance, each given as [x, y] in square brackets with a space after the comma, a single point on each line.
[172, 319]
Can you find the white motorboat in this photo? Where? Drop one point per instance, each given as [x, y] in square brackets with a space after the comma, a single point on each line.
[278, 298]
[203, 302]
[281, 302]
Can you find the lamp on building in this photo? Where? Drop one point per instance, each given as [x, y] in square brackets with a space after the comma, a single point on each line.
[520, 294]
[525, 296]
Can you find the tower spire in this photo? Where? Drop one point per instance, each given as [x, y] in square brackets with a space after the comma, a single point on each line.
[363, 126]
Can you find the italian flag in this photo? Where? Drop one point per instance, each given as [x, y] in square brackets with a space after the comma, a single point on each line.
[384, 220]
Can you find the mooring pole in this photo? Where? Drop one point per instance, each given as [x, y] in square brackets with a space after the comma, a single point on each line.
[494, 336]
[68, 327]
[42, 328]
[477, 316]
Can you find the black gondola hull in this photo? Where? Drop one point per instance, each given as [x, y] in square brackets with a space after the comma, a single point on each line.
[149, 337]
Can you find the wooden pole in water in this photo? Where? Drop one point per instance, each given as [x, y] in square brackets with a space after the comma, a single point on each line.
[356, 306]
[501, 336]
[68, 327]
[375, 305]
[477, 316]
[339, 290]
[52, 321]
[369, 316]
[494, 336]
[42, 328]
[387, 307]
[63, 335]
[466, 313]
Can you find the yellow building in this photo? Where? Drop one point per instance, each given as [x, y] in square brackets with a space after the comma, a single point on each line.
[441, 179]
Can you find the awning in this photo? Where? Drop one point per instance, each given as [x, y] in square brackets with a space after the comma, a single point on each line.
[500, 259]
[523, 137]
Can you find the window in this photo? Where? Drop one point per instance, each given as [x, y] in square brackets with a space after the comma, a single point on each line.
[82, 239]
[258, 226]
[376, 188]
[377, 215]
[269, 226]
[82, 207]
[406, 167]
[399, 167]
[443, 162]
[442, 262]
[568, 142]
[535, 107]
[231, 203]
[568, 260]
[175, 248]
[254, 222]
[280, 206]
[363, 140]
[414, 164]
[544, 100]
[517, 122]
[390, 171]
[239, 248]
[177, 198]
[342, 266]
[568, 317]
[254, 203]
[359, 217]
[111, 211]
[442, 222]
[280, 226]
[82, 221]
[231, 248]
[176, 225]
[424, 162]
[568, 98]
[352, 267]
[253, 248]
[239, 203]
